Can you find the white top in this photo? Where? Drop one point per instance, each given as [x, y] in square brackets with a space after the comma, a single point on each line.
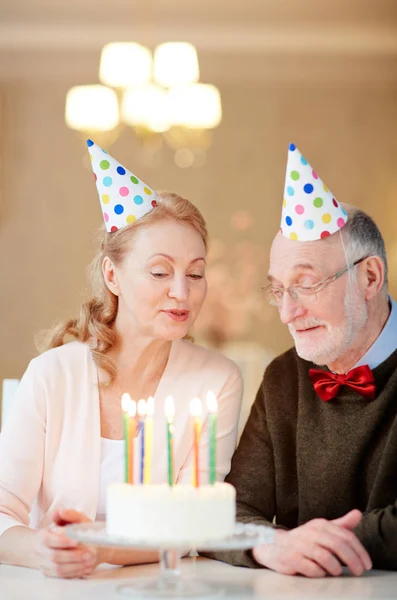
[50, 446]
[111, 471]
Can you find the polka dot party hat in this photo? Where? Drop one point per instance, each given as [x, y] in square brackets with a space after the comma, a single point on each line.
[124, 198]
[310, 211]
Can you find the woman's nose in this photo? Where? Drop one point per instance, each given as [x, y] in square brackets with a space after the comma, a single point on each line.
[179, 289]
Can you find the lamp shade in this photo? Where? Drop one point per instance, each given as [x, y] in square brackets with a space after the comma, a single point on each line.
[125, 64]
[175, 63]
[146, 106]
[197, 106]
[91, 108]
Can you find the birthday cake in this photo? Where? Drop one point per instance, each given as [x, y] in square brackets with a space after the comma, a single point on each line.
[181, 513]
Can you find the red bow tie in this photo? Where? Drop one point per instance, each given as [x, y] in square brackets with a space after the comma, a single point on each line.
[327, 384]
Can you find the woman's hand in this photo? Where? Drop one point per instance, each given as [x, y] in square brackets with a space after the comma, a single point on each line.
[60, 556]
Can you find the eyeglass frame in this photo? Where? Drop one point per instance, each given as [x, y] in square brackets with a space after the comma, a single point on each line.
[317, 287]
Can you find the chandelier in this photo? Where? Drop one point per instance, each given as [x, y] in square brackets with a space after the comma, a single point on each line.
[158, 96]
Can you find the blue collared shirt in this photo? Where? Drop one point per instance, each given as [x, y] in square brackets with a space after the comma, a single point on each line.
[385, 344]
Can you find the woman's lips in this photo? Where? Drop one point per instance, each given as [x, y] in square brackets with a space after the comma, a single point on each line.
[177, 315]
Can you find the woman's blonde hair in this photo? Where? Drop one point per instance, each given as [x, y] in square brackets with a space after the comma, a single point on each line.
[96, 318]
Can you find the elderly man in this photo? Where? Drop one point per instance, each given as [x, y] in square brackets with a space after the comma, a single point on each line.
[318, 456]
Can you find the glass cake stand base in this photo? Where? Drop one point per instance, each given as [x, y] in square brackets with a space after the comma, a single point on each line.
[163, 589]
[170, 583]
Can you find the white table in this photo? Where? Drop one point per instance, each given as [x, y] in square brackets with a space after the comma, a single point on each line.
[25, 584]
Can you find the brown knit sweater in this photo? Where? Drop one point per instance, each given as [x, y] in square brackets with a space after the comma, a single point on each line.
[300, 458]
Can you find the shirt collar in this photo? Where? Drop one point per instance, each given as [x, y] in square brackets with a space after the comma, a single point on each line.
[385, 344]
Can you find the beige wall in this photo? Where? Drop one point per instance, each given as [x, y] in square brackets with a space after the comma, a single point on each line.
[338, 105]
[49, 209]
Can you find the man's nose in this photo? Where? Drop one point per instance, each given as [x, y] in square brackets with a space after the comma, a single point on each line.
[290, 309]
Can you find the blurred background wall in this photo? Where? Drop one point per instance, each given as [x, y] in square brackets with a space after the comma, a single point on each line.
[320, 74]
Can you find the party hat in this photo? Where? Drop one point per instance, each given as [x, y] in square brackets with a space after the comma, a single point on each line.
[310, 211]
[124, 198]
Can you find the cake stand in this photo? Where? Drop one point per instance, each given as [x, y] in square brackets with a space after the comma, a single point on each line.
[170, 584]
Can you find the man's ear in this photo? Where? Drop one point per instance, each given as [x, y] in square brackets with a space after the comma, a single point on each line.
[110, 276]
[373, 270]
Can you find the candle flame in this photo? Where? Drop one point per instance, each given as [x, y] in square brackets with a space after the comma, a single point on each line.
[150, 406]
[169, 408]
[125, 402]
[212, 402]
[142, 408]
[196, 407]
[132, 408]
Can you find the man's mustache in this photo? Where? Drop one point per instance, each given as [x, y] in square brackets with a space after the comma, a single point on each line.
[294, 327]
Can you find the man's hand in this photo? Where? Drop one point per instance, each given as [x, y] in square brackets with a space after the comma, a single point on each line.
[316, 549]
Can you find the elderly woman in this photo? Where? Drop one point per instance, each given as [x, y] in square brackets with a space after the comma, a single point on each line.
[62, 443]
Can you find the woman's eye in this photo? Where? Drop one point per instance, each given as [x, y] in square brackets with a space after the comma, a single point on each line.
[195, 276]
[159, 275]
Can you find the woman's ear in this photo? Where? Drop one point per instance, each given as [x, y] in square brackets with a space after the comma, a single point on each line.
[110, 276]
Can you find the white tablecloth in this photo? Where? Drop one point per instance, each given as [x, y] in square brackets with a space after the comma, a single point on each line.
[25, 584]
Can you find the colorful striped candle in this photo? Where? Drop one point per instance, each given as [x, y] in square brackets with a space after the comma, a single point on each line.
[141, 421]
[169, 413]
[212, 406]
[125, 404]
[196, 411]
[131, 438]
[148, 440]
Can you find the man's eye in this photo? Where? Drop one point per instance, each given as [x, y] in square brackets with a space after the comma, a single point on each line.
[305, 290]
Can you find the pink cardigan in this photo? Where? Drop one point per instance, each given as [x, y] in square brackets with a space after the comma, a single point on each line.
[50, 444]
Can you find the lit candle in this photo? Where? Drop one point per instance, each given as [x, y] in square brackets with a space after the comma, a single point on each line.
[131, 437]
[125, 404]
[169, 413]
[195, 411]
[148, 440]
[212, 406]
[141, 420]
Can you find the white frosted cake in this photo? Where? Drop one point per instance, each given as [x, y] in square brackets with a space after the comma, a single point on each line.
[175, 514]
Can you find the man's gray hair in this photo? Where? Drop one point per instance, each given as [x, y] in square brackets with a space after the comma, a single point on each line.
[362, 237]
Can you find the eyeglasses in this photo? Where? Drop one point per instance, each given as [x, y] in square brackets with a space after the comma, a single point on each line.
[302, 293]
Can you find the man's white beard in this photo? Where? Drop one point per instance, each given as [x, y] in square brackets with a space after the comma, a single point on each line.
[338, 339]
